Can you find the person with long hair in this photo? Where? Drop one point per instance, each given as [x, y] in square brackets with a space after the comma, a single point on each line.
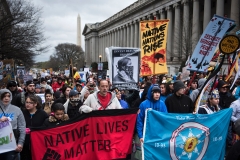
[165, 92]
[212, 104]
[34, 117]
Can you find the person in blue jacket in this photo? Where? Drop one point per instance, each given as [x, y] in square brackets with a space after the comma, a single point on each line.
[153, 101]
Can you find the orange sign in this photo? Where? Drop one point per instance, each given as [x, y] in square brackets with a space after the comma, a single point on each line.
[153, 47]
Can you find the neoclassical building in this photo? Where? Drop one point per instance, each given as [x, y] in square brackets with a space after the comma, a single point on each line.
[188, 19]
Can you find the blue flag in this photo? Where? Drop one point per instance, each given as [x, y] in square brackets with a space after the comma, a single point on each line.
[185, 136]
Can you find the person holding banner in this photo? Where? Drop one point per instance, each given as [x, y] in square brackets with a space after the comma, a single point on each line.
[15, 115]
[58, 116]
[178, 102]
[101, 100]
[153, 101]
[34, 117]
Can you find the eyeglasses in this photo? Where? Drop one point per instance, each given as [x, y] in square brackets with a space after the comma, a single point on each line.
[225, 87]
[13, 86]
[29, 102]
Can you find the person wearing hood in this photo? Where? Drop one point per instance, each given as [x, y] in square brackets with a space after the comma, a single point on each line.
[101, 100]
[153, 101]
[178, 102]
[9, 112]
[34, 117]
[73, 104]
[195, 92]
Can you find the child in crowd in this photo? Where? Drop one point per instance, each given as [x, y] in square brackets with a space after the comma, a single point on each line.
[58, 115]
[48, 102]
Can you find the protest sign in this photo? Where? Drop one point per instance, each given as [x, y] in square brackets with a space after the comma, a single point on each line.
[125, 68]
[153, 47]
[41, 95]
[208, 43]
[185, 136]
[7, 139]
[97, 135]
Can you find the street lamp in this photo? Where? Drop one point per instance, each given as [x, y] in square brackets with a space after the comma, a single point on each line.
[100, 58]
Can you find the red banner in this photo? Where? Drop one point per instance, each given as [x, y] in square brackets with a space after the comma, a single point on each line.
[98, 135]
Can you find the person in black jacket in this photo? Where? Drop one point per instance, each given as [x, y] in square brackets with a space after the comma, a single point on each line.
[226, 98]
[58, 116]
[34, 117]
[12, 86]
[21, 97]
[73, 104]
[178, 102]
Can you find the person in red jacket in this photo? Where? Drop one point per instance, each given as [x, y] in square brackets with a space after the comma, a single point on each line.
[57, 85]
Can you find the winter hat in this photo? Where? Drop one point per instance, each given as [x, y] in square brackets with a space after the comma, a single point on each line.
[156, 88]
[214, 94]
[72, 93]
[221, 84]
[177, 85]
[29, 82]
[11, 83]
[237, 126]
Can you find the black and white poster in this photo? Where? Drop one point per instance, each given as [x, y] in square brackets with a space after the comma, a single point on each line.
[125, 68]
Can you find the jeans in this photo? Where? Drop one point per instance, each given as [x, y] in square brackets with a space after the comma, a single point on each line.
[11, 155]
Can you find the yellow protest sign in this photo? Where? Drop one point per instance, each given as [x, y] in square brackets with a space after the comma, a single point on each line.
[153, 47]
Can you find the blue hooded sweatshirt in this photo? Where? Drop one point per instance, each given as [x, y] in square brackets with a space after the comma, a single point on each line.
[149, 103]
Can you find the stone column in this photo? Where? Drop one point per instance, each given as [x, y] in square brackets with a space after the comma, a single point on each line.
[113, 38]
[125, 36]
[116, 37]
[122, 35]
[128, 35]
[136, 33]
[132, 35]
[110, 39]
[220, 7]
[177, 27]
[195, 24]
[162, 13]
[185, 30]
[207, 13]
[156, 14]
[170, 30]
[235, 13]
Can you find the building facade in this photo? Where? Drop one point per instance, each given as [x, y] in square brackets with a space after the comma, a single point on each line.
[188, 19]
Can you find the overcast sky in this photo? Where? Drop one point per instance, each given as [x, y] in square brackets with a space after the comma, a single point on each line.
[60, 18]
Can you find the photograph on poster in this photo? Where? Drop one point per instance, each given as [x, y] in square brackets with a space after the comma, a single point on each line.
[125, 69]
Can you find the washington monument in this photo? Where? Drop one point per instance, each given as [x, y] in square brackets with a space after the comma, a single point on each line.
[79, 35]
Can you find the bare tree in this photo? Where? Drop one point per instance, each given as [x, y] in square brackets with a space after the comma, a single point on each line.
[67, 52]
[21, 32]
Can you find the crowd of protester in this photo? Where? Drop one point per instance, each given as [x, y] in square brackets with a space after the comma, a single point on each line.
[66, 98]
